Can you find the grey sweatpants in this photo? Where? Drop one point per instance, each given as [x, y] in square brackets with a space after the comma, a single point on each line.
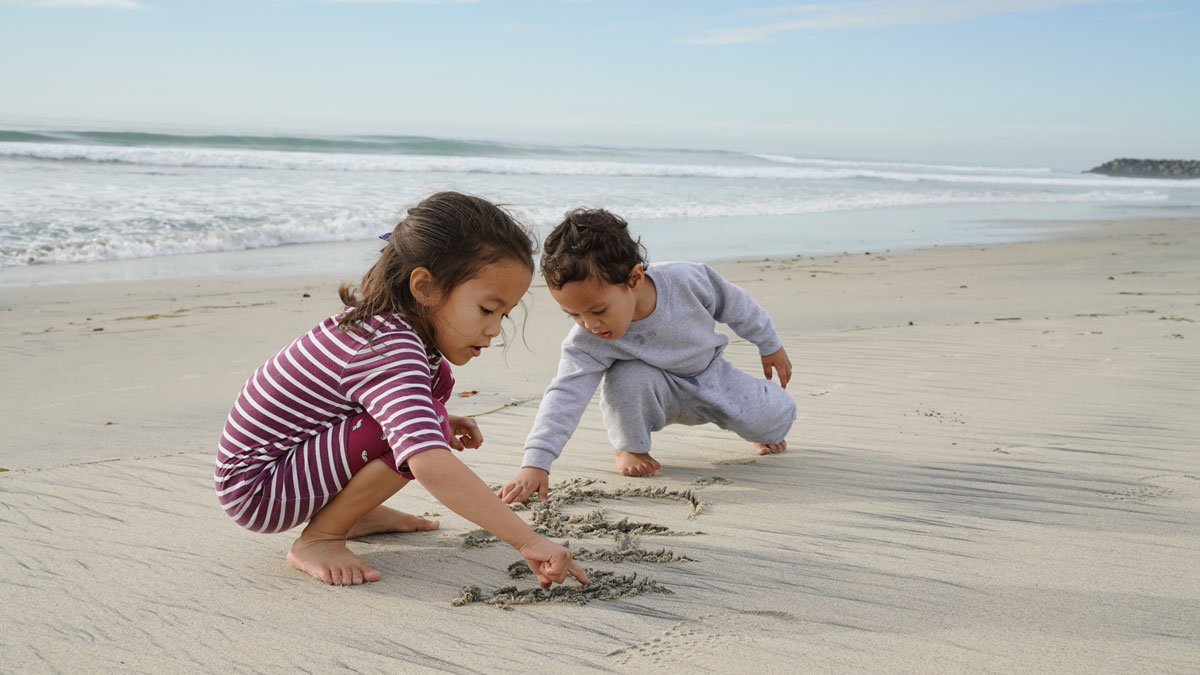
[637, 399]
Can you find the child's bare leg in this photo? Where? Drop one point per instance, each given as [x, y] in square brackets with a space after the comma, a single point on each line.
[637, 464]
[770, 448]
[321, 548]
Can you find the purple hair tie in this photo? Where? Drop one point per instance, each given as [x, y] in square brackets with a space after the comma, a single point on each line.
[384, 237]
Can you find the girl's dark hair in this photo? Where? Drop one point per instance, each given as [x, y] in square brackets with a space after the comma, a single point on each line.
[591, 243]
[453, 235]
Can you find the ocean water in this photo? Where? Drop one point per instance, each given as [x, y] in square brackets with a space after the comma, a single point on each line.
[96, 196]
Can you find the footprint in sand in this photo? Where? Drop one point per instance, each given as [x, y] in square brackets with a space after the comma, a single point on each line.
[705, 637]
[1159, 486]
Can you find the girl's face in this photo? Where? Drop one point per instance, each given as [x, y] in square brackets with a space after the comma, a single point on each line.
[469, 317]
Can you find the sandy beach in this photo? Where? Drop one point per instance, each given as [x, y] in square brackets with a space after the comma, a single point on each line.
[995, 469]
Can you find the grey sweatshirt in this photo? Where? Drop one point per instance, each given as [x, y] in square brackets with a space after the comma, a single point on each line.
[679, 337]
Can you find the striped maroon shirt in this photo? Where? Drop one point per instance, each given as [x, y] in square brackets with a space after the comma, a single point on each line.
[317, 382]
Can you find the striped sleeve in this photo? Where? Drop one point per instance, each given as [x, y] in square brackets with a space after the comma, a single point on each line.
[390, 378]
[443, 381]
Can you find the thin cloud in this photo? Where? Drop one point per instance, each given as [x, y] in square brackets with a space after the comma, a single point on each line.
[876, 14]
[100, 4]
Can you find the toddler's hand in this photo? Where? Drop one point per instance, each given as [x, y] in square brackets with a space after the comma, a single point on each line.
[464, 433]
[782, 365]
[551, 563]
[527, 481]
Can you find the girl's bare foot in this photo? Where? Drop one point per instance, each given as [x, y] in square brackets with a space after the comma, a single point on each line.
[637, 464]
[383, 519]
[770, 448]
[329, 560]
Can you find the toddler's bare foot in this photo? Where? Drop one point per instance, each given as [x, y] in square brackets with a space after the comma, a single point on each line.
[770, 448]
[384, 519]
[637, 464]
[328, 559]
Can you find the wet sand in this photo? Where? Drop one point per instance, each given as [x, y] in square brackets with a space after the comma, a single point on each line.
[995, 469]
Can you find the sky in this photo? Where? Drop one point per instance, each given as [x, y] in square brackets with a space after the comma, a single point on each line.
[1061, 83]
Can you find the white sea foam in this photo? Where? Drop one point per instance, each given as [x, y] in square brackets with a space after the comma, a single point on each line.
[113, 199]
[822, 170]
[125, 245]
[194, 232]
[811, 161]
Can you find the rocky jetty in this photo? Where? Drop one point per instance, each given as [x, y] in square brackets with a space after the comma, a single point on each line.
[1149, 168]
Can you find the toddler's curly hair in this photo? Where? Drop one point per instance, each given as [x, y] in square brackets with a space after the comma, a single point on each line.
[591, 243]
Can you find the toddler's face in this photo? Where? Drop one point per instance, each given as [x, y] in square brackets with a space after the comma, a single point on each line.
[602, 308]
[470, 316]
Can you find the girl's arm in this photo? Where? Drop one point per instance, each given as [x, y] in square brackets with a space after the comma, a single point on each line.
[456, 486]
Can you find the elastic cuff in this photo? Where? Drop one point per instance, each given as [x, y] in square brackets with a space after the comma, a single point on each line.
[538, 458]
[769, 348]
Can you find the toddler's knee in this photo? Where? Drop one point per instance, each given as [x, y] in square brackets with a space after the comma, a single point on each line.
[774, 425]
[623, 377]
[787, 417]
[780, 430]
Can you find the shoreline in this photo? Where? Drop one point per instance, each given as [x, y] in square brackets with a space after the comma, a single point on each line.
[801, 234]
[994, 468]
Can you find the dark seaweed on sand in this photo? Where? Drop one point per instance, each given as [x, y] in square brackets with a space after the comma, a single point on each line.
[578, 490]
[547, 519]
[479, 539]
[604, 586]
[550, 523]
[626, 551]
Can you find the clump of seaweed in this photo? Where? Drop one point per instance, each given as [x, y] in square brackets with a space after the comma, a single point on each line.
[479, 539]
[604, 586]
[686, 496]
[469, 594]
[547, 521]
[627, 550]
[519, 570]
[579, 490]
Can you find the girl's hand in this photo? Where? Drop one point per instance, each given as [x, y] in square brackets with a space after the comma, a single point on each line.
[782, 365]
[464, 433]
[551, 563]
[527, 481]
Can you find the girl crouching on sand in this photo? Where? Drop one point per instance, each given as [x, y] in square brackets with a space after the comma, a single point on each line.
[351, 411]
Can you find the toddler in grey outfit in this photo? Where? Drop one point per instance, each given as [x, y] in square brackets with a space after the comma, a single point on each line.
[646, 336]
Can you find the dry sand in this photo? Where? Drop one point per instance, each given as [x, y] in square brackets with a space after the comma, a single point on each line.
[995, 469]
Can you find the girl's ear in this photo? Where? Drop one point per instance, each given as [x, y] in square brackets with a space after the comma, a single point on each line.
[420, 283]
[636, 276]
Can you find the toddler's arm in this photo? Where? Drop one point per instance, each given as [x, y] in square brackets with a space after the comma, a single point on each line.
[456, 486]
[566, 397]
[734, 306]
